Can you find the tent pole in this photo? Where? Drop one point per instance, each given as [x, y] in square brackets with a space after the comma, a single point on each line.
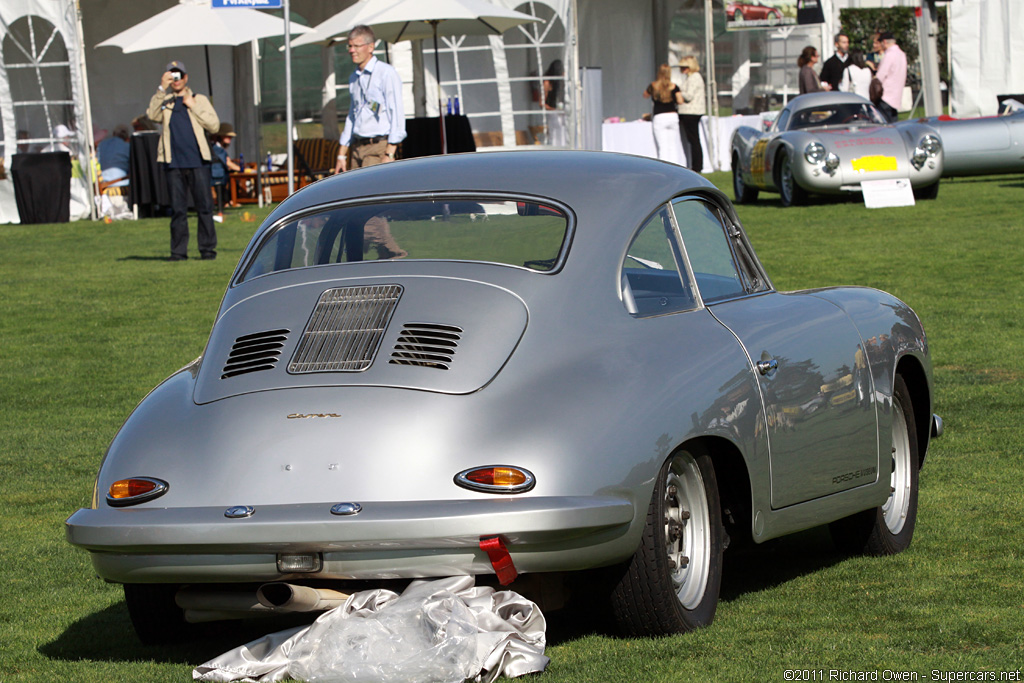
[712, 84]
[90, 142]
[288, 95]
[577, 98]
[437, 73]
[209, 80]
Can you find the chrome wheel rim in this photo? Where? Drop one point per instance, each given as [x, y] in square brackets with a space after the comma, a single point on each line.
[895, 509]
[686, 530]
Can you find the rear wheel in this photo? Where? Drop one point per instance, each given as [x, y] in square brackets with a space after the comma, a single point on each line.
[673, 579]
[888, 529]
[156, 617]
[792, 193]
[773, 18]
[743, 193]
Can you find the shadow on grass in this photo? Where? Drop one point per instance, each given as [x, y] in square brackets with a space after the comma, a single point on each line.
[747, 568]
[108, 636]
[144, 258]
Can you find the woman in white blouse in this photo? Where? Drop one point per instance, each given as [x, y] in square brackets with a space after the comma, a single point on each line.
[856, 76]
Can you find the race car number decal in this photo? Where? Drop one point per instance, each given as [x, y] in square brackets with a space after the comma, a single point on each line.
[874, 163]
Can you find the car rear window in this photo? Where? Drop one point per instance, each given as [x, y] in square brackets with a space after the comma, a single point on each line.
[516, 233]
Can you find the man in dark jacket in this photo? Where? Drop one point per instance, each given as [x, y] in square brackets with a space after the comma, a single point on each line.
[832, 69]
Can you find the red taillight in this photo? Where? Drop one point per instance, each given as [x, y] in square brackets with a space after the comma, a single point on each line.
[135, 490]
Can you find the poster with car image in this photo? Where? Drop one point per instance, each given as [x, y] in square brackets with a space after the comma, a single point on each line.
[760, 14]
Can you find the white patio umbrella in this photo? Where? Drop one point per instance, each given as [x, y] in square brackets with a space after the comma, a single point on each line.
[336, 28]
[195, 22]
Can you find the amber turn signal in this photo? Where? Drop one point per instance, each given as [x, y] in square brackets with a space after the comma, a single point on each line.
[496, 479]
[124, 492]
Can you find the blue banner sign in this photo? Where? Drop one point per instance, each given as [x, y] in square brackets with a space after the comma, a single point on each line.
[251, 4]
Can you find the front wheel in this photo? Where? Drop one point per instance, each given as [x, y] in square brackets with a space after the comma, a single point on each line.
[888, 529]
[791, 192]
[673, 579]
[743, 193]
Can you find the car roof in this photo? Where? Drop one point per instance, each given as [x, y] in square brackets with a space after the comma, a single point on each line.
[580, 179]
[824, 99]
[609, 195]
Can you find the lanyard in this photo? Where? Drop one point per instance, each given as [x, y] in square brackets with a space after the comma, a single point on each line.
[364, 90]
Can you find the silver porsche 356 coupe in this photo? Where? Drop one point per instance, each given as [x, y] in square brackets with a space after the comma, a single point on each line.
[829, 143]
[517, 363]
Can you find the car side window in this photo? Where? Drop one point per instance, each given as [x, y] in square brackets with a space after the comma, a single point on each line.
[651, 276]
[708, 249]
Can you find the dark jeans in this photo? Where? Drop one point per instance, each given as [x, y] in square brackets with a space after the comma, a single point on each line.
[689, 131]
[181, 182]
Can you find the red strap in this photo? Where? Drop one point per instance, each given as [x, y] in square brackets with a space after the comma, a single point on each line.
[500, 559]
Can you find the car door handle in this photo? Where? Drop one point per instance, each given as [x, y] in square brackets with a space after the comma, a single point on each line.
[766, 367]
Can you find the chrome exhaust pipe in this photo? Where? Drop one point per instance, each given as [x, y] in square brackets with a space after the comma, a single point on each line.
[202, 604]
[287, 597]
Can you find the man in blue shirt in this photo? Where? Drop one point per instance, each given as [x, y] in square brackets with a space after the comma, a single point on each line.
[376, 121]
[186, 117]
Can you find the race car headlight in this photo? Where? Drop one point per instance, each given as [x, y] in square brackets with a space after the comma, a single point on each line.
[931, 145]
[814, 152]
[919, 157]
[831, 162]
[125, 492]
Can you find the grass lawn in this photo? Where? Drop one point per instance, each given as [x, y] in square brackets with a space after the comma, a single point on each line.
[92, 317]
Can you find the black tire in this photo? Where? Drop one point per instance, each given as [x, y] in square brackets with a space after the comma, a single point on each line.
[773, 18]
[684, 529]
[928, 192]
[743, 193]
[791, 192]
[738, 16]
[154, 614]
[888, 529]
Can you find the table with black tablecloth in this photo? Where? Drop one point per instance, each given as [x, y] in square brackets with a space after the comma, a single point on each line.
[147, 181]
[423, 136]
[42, 186]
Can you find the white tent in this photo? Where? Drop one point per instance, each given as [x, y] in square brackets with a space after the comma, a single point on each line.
[41, 88]
[988, 54]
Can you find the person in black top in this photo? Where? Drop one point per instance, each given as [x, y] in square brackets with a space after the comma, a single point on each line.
[666, 95]
[832, 69]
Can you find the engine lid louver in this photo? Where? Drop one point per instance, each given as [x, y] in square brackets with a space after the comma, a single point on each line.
[427, 345]
[254, 352]
[345, 330]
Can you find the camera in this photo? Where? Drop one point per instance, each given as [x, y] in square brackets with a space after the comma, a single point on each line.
[176, 75]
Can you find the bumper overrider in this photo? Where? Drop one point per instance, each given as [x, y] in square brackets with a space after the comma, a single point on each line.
[382, 541]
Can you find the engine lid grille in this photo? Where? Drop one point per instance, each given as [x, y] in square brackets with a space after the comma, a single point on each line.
[254, 352]
[345, 329]
[427, 345]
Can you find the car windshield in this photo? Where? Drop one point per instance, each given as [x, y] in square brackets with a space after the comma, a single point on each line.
[517, 233]
[844, 113]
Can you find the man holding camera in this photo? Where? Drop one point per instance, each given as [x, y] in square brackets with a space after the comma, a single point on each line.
[185, 153]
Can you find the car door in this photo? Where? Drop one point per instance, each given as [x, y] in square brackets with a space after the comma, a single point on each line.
[805, 353]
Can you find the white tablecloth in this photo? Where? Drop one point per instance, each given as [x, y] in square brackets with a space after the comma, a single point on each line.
[636, 137]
